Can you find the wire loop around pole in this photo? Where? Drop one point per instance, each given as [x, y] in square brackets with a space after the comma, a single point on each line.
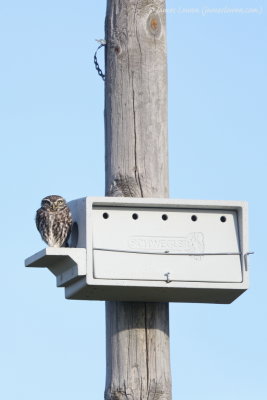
[97, 67]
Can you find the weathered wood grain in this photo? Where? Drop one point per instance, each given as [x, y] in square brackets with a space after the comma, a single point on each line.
[136, 99]
[138, 359]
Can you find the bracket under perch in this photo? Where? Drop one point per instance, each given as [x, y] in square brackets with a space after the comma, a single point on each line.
[67, 264]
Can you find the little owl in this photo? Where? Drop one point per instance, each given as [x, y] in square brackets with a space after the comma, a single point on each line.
[53, 221]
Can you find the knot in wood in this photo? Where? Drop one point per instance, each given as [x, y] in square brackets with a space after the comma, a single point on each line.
[124, 186]
[154, 24]
[117, 49]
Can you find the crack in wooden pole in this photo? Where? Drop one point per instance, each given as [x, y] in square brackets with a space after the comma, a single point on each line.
[136, 158]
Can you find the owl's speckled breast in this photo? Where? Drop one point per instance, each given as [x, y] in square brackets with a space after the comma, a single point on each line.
[54, 226]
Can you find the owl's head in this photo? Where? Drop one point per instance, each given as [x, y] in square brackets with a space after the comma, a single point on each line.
[53, 203]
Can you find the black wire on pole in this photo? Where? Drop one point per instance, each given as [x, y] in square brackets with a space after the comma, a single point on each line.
[97, 67]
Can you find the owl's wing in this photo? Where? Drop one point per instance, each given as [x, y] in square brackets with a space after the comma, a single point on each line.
[38, 218]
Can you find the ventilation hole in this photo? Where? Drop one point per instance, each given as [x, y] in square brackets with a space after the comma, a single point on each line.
[223, 218]
[135, 216]
[164, 217]
[105, 215]
[194, 218]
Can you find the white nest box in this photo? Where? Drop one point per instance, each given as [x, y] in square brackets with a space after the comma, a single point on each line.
[128, 249]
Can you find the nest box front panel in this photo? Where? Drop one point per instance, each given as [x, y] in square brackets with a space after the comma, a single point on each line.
[166, 244]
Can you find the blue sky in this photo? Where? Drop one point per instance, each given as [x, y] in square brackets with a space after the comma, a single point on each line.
[52, 141]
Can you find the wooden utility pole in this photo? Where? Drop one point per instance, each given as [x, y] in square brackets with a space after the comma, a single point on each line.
[137, 334]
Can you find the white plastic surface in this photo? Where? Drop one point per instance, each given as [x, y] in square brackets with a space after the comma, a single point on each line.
[66, 264]
[115, 258]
